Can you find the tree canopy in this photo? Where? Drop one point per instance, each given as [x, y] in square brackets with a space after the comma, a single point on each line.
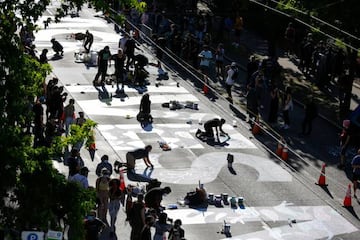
[32, 192]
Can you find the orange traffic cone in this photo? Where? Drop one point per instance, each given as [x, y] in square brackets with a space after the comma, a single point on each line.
[279, 149]
[256, 128]
[122, 181]
[347, 199]
[285, 154]
[322, 181]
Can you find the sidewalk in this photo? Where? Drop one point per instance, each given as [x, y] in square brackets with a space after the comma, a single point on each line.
[252, 44]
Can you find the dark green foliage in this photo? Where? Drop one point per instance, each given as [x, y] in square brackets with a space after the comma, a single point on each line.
[33, 194]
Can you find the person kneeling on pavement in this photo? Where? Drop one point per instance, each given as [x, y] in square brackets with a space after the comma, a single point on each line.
[154, 196]
[131, 157]
[209, 132]
[196, 198]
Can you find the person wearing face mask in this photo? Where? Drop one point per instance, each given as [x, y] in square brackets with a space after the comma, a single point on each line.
[154, 197]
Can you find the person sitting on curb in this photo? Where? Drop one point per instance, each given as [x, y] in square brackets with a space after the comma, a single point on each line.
[131, 157]
[209, 132]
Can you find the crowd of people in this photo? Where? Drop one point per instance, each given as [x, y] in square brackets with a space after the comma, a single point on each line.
[190, 40]
[142, 213]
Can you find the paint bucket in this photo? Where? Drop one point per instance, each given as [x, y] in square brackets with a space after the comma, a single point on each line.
[234, 123]
[233, 202]
[224, 197]
[241, 201]
[94, 58]
[218, 200]
[211, 197]
[227, 228]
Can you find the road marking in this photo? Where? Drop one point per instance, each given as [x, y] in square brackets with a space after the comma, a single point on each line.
[307, 226]
[207, 167]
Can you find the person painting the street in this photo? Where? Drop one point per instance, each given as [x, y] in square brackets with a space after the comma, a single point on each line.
[131, 157]
[89, 39]
[209, 132]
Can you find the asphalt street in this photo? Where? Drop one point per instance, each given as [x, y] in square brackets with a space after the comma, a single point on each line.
[281, 200]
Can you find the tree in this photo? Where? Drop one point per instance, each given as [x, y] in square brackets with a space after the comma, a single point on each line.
[33, 193]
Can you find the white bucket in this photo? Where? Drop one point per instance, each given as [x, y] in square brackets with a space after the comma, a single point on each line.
[94, 58]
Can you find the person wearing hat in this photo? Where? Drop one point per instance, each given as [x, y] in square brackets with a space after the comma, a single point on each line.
[104, 164]
[102, 192]
[232, 75]
[81, 177]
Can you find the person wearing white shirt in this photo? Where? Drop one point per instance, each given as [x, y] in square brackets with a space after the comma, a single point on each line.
[205, 57]
[232, 73]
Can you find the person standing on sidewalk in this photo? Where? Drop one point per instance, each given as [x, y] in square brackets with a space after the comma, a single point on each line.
[238, 27]
[68, 116]
[104, 164]
[344, 143]
[102, 192]
[274, 105]
[205, 57]
[114, 203]
[232, 75]
[219, 60]
[355, 163]
[136, 217]
[311, 113]
[288, 105]
[290, 39]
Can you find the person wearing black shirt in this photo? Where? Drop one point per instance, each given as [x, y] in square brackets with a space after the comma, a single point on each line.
[209, 125]
[57, 47]
[74, 163]
[130, 46]
[131, 157]
[119, 60]
[89, 39]
[104, 58]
